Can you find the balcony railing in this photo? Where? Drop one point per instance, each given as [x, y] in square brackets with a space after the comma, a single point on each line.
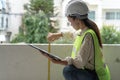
[21, 62]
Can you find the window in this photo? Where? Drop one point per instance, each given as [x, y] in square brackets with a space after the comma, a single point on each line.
[118, 15]
[0, 21]
[3, 21]
[7, 22]
[2, 4]
[112, 15]
[91, 15]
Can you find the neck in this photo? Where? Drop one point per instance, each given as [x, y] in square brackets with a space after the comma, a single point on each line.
[83, 27]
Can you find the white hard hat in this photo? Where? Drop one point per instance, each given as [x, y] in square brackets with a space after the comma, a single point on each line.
[77, 8]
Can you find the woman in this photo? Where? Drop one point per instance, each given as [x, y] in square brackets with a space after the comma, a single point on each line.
[86, 61]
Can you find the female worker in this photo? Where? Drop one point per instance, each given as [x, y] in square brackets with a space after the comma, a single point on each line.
[86, 61]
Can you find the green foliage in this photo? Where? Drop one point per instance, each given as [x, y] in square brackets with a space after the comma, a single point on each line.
[110, 35]
[64, 41]
[19, 37]
[36, 28]
[43, 5]
[36, 22]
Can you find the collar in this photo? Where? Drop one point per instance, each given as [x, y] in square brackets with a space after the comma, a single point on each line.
[82, 31]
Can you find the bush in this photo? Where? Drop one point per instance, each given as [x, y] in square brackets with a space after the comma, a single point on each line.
[110, 35]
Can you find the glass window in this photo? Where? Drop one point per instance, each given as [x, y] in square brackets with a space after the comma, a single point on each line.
[113, 15]
[110, 15]
[2, 4]
[91, 15]
[118, 15]
[2, 19]
[7, 22]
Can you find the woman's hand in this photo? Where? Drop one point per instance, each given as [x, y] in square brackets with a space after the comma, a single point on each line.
[62, 62]
[53, 36]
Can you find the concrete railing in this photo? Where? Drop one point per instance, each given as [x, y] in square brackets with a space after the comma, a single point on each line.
[21, 62]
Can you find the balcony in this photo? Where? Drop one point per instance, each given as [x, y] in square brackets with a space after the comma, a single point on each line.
[21, 62]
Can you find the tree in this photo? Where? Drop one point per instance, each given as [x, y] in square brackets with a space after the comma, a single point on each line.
[36, 28]
[36, 22]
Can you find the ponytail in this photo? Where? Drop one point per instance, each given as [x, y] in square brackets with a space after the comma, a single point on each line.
[90, 24]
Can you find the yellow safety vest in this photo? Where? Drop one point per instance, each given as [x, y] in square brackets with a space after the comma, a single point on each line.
[100, 67]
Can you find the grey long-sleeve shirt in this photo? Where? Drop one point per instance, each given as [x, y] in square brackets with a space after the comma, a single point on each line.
[85, 55]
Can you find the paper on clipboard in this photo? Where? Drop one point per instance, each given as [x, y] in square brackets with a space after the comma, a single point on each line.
[45, 52]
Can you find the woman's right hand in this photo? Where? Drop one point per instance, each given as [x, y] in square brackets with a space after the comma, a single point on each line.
[53, 36]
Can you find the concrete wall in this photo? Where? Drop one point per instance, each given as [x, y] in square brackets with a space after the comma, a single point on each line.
[21, 62]
[112, 57]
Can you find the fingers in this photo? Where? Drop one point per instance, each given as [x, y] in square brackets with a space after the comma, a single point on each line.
[51, 37]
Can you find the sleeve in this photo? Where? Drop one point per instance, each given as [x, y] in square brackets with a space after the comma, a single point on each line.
[68, 35]
[83, 54]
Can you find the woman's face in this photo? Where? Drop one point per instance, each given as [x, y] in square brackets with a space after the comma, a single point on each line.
[74, 23]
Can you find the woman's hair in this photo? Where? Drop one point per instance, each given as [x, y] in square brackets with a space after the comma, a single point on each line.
[90, 24]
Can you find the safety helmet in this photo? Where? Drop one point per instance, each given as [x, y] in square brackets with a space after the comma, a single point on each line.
[77, 8]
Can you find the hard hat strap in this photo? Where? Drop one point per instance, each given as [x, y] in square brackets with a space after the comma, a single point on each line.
[79, 16]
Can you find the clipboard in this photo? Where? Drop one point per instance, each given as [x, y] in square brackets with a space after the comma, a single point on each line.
[45, 52]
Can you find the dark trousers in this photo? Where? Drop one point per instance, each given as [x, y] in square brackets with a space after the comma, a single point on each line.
[70, 72]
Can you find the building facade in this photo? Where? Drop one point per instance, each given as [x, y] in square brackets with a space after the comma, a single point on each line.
[11, 12]
[102, 12]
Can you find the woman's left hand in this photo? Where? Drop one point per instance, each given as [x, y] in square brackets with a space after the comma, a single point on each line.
[62, 62]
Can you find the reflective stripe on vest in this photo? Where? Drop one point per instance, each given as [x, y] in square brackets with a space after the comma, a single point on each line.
[101, 69]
